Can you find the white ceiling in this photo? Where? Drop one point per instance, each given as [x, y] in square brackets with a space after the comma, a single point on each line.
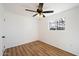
[20, 7]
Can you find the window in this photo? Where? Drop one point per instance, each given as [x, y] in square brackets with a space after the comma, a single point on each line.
[58, 24]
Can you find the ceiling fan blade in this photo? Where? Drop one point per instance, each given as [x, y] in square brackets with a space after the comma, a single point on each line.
[34, 15]
[40, 6]
[48, 11]
[30, 10]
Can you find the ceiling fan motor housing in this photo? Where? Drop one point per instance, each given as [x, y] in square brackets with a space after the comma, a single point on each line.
[39, 11]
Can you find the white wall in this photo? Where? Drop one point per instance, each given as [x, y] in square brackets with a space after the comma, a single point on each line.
[67, 39]
[1, 28]
[20, 29]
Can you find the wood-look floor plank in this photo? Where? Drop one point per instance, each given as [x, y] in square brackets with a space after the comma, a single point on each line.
[36, 48]
[18, 51]
[14, 51]
[40, 51]
[9, 52]
[22, 51]
[29, 53]
[30, 50]
[25, 51]
[47, 49]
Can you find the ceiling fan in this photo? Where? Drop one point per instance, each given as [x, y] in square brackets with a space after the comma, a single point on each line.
[39, 10]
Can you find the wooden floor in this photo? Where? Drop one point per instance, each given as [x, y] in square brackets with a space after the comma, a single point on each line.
[36, 48]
